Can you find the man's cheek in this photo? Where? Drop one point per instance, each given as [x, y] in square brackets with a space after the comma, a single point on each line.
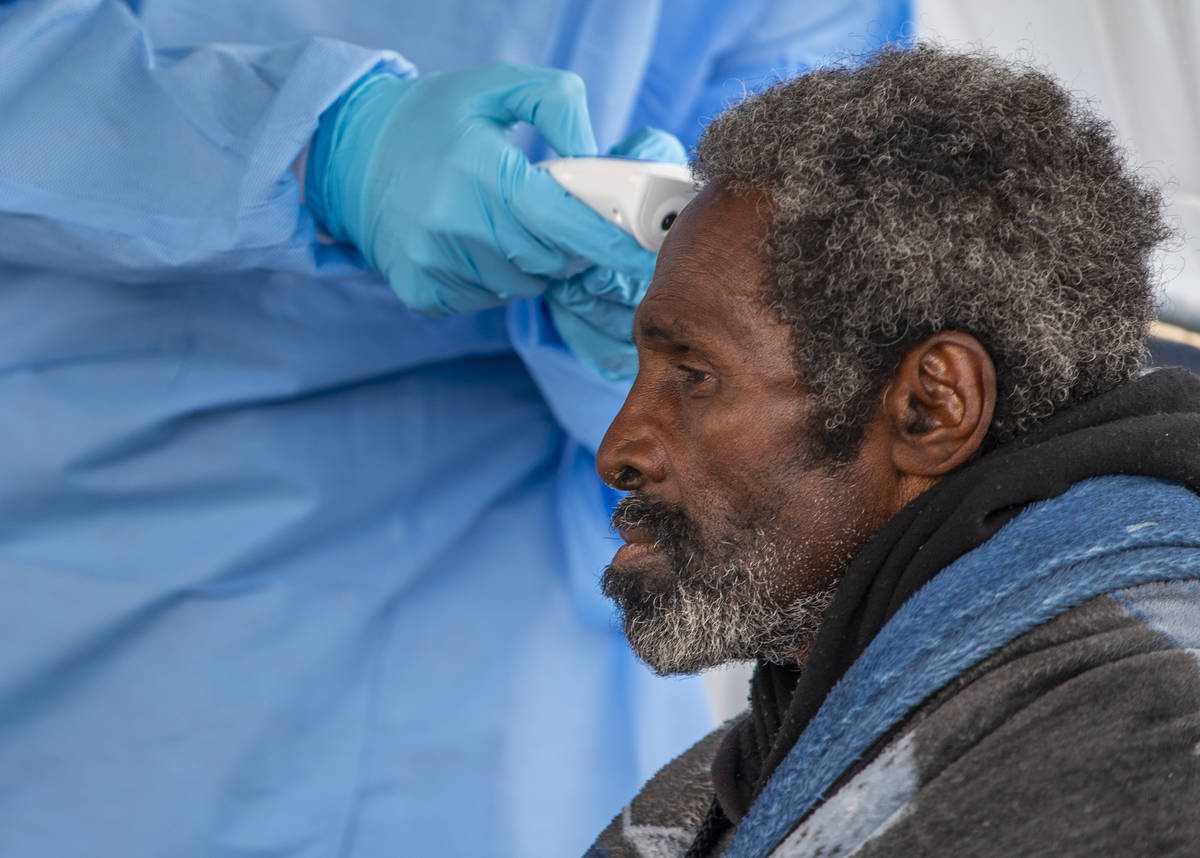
[732, 503]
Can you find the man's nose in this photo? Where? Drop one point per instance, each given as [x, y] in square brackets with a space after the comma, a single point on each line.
[631, 455]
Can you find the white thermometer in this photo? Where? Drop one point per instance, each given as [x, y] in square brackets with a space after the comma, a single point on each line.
[641, 197]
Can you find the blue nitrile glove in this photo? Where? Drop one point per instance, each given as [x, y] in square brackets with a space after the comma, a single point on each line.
[419, 174]
[593, 310]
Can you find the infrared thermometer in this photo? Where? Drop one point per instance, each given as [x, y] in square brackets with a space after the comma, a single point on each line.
[641, 197]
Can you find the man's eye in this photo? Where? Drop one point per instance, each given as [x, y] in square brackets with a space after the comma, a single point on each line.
[693, 375]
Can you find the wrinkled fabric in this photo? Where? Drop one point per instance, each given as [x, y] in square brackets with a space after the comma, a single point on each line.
[1149, 426]
[1040, 695]
[288, 569]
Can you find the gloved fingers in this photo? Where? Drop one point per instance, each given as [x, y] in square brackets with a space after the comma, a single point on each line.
[544, 208]
[439, 272]
[439, 290]
[461, 297]
[651, 144]
[603, 284]
[551, 100]
[465, 223]
[605, 299]
[612, 356]
[613, 320]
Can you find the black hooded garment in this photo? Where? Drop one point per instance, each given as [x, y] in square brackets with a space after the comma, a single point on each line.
[1147, 427]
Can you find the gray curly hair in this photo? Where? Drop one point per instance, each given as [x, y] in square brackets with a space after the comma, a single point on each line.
[928, 191]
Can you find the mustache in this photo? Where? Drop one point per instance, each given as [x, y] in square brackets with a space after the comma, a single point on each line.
[665, 522]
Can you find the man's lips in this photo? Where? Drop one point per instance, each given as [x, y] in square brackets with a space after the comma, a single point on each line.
[638, 543]
[634, 535]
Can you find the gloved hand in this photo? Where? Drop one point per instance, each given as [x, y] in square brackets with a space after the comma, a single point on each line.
[593, 310]
[419, 174]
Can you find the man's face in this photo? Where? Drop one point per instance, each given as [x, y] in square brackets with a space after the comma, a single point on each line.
[735, 533]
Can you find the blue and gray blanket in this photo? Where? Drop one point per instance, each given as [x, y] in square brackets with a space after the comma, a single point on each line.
[1040, 695]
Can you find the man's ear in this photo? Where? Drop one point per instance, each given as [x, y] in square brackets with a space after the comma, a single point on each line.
[939, 404]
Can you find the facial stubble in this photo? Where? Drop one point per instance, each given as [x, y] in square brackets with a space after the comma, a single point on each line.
[719, 602]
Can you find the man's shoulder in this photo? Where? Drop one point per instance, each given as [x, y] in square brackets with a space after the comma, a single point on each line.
[1080, 735]
[1086, 707]
[663, 818]
[1099, 521]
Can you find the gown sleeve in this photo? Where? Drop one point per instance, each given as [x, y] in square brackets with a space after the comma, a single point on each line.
[138, 164]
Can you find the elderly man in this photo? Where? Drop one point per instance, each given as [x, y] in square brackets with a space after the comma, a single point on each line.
[890, 438]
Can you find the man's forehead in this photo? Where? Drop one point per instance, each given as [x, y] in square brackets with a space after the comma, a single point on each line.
[687, 305]
[708, 268]
[661, 322]
[717, 233]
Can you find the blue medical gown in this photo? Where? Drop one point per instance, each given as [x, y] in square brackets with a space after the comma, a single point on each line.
[286, 569]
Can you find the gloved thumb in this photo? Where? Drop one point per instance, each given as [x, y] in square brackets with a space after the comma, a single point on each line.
[551, 100]
[651, 144]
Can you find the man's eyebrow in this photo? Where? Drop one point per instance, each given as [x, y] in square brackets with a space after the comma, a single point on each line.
[656, 333]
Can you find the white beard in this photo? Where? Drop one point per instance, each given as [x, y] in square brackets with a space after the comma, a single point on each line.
[723, 612]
